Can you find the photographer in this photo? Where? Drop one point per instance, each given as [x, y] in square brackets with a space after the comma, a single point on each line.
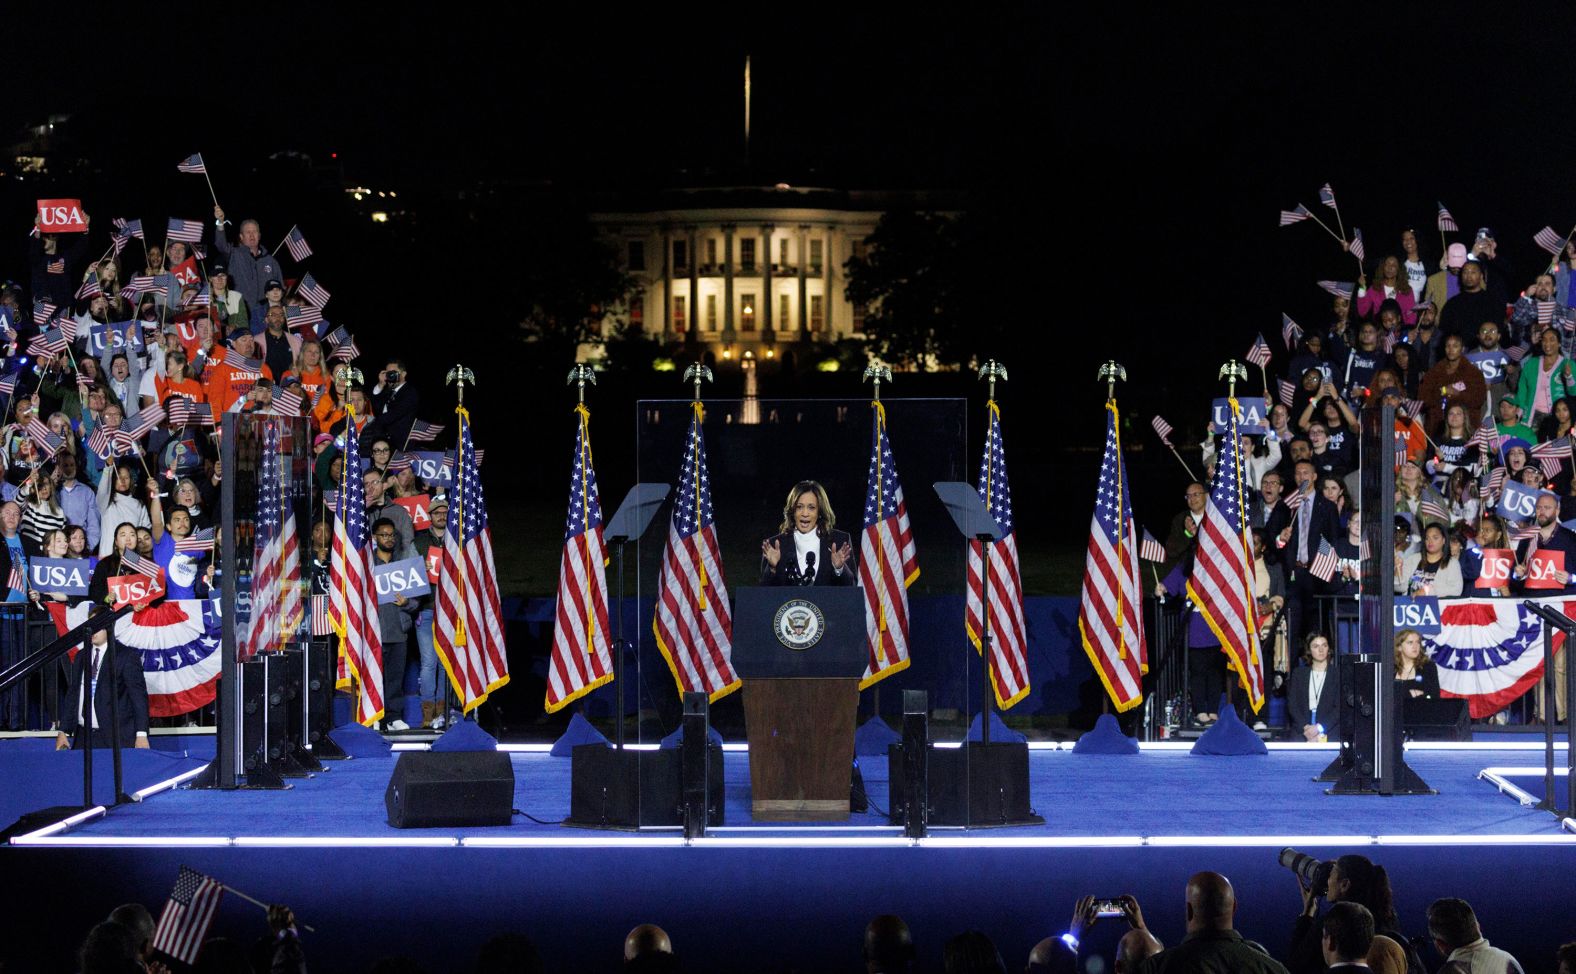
[1351, 879]
[394, 404]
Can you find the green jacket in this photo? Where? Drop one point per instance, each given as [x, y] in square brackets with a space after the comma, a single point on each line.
[1561, 383]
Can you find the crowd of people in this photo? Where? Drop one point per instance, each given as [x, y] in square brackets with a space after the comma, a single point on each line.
[122, 365]
[1477, 361]
[1349, 925]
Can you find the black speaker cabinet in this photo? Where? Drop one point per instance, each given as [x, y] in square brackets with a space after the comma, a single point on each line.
[264, 721]
[977, 785]
[437, 789]
[1436, 720]
[613, 789]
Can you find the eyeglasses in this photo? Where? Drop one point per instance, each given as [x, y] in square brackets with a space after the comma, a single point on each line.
[384, 536]
[380, 449]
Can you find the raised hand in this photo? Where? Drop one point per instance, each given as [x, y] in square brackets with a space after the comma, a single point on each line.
[772, 552]
[840, 554]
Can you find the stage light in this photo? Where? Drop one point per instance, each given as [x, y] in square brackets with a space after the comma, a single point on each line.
[166, 785]
[380, 217]
[344, 842]
[771, 353]
[357, 195]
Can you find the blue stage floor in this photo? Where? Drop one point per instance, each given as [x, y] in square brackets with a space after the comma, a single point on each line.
[1157, 794]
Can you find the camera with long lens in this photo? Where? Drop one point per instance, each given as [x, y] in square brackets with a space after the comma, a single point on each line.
[1314, 873]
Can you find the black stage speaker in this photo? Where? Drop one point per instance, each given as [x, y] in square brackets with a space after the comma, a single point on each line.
[977, 785]
[613, 789]
[264, 719]
[436, 789]
[1371, 752]
[1436, 720]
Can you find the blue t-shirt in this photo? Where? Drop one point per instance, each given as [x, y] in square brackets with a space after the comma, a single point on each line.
[181, 570]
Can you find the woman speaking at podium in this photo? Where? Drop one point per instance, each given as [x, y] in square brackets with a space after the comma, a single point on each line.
[806, 550]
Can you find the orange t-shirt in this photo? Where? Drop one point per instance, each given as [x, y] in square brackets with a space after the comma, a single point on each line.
[227, 384]
[327, 412]
[186, 388]
[311, 381]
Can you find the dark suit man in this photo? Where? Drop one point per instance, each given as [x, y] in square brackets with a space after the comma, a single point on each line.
[807, 550]
[394, 405]
[1315, 519]
[123, 671]
[1552, 536]
[1267, 512]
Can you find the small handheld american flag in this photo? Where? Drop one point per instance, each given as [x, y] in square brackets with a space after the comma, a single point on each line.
[1356, 245]
[199, 541]
[303, 316]
[297, 246]
[1446, 221]
[1291, 332]
[314, 292]
[1549, 240]
[1163, 428]
[1259, 352]
[1288, 217]
[1341, 289]
[187, 231]
[188, 914]
[1327, 196]
[131, 561]
[1150, 549]
[192, 164]
[1325, 562]
[1288, 392]
[421, 432]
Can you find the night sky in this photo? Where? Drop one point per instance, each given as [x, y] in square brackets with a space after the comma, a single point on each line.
[1130, 162]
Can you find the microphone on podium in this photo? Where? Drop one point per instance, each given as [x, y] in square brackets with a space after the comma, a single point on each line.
[809, 569]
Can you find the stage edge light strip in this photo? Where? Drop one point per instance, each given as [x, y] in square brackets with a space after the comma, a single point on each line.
[87, 814]
[167, 784]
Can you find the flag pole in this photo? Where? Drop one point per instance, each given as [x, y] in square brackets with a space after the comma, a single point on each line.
[458, 377]
[1111, 372]
[293, 228]
[1315, 218]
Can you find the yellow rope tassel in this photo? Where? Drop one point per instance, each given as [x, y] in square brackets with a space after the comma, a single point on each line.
[460, 638]
[881, 621]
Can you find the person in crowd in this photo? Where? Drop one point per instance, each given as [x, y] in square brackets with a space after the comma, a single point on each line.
[888, 946]
[1454, 929]
[309, 369]
[1416, 676]
[380, 454]
[395, 403]
[1269, 593]
[1357, 369]
[92, 677]
[1255, 462]
[645, 941]
[117, 501]
[276, 346]
[1212, 942]
[230, 380]
[1565, 958]
[1333, 489]
[55, 261]
[248, 265]
[429, 548]
[1453, 447]
[380, 506]
[41, 511]
[123, 378]
[1552, 535]
[1557, 426]
[14, 548]
[198, 500]
[1453, 381]
[184, 574]
[1490, 535]
[1353, 879]
[1461, 494]
[1313, 690]
[77, 545]
[1403, 363]
[1313, 519]
[227, 305]
[1348, 935]
[1184, 528]
[54, 546]
[1425, 338]
[1390, 284]
[1269, 513]
[328, 413]
[807, 549]
[1326, 459]
[136, 918]
[178, 380]
[1544, 379]
[109, 948]
[971, 952]
[1416, 499]
[1430, 570]
[1280, 424]
[395, 621]
[1412, 264]
[1471, 306]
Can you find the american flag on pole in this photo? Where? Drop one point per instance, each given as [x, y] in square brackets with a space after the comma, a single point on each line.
[1356, 245]
[43, 437]
[1288, 217]
[1110, 613]
[1291, 332]
[8, 385]
[1487, 436]
[276, 557]
[188, 914]
[1446, 221]
[192, 164]
[1164, 429]
[301, 316]
[137, 425]
[1288, 392]
[1552, 454]
[288, 402]
[1325, 562]
[1259, 352]
[314, 292]
[887, 565]
[1431, 508]
[693, 626]
[421, 432]
[1549, 240]
[296, 244]
[132, 228]
[468, 618]
[196, 542]
[1516, 353]
[1009, 631]
[1327, 197]
[142, 284]
[1221, 582]
[1341, 289]
[340, 344]
[90, 288]
[352, 594]
[43, 311]
[189, 231]
[132, 561]
[581, 659]
[320, 626]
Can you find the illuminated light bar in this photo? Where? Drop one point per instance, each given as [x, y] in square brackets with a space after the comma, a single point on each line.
[125, 841]
[1226, 841]
[568, 842]
[1471, 840]
[1481, 746]
[86, 815]
[343, 842]
[166, 785]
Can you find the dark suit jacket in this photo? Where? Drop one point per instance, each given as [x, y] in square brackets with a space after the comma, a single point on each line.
[393, 413]
[1325, 523]
[1298, 714]
[787, 570]
[131, 704]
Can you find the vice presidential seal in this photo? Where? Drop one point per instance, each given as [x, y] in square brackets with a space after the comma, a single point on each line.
[799, 624]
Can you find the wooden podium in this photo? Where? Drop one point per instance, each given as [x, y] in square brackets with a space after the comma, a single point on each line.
[801, 653]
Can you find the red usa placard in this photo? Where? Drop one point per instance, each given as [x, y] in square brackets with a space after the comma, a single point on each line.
[416, 507]
[1544, 568]
[134, 589]
[61, 216]
[1496, 568]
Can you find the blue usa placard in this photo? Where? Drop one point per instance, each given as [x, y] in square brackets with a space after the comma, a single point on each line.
[407, 577]
[1518, 502]
[116, 334]
[1491, 364]
[68, 576]
[1252, 419]
[1421, 613]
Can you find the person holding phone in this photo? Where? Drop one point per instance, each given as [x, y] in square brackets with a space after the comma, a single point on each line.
[395, 403]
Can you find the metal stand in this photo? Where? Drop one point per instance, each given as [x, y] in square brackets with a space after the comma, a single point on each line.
[629, 523]
[1553, 620]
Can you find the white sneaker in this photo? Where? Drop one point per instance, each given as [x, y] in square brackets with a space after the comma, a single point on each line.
[438, 723]
[1260, 725]
[397, 725]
